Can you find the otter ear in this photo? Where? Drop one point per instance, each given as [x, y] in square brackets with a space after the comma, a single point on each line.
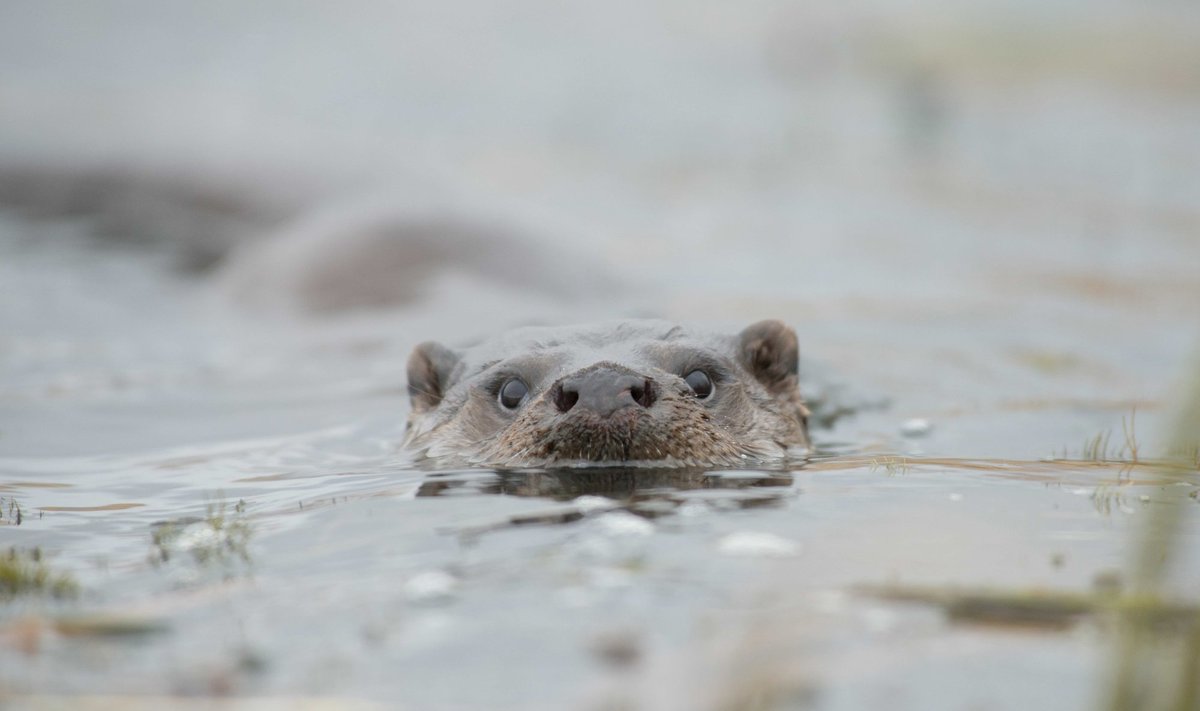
[429, 369]
[770, 351]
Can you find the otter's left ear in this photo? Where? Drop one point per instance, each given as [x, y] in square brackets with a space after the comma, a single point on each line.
[429, 369]
[770, 351]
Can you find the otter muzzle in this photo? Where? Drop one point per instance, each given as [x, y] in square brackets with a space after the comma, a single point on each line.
[603, 391]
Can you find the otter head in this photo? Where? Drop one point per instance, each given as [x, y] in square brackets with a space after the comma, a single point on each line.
[636, 392]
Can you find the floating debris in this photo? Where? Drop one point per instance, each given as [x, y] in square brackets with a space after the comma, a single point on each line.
[916, 427]
[106, 624]
[1045, 609]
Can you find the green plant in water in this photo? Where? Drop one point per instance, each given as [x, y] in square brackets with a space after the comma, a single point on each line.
[1182, 457]
[220, 538]
[1052, 609]
[23, 572]
[1153, 670]
[1129, 451]
[1095, 449]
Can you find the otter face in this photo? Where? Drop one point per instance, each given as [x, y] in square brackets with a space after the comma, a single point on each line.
[640, 392]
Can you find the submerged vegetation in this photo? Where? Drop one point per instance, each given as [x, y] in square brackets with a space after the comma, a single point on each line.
[220, 539]
[25, 572]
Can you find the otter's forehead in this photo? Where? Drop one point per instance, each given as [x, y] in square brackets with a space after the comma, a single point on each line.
[578, 346]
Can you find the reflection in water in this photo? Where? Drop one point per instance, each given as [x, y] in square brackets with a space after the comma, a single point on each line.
[649, 493]
[625, 484]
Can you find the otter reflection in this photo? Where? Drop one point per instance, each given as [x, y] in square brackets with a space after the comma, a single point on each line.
[619, 483]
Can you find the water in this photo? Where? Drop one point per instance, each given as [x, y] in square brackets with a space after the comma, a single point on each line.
[1009, 256]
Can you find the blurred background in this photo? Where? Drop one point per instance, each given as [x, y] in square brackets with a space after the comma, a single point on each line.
[223, 226]
[1007, 189]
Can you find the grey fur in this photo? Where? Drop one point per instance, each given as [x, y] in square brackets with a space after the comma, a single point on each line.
[746, 420]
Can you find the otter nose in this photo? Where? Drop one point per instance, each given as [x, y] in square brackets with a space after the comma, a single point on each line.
[604, 391]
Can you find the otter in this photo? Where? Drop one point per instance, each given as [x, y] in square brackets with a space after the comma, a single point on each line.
[640, 393]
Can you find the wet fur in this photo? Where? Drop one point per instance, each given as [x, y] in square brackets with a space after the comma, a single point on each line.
[756, 415]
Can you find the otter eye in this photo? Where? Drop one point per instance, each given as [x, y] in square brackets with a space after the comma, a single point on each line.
[513, 393]
[700, 383]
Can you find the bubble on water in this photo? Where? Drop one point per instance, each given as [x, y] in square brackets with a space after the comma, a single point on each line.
[757, 544]
[916, 427]
[589, 503]
[620, 523]
[431, 586]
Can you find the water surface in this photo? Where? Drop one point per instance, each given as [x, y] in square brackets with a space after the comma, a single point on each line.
[1007, 251]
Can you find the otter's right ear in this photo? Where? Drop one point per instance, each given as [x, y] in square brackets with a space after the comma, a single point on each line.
[429, 369]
